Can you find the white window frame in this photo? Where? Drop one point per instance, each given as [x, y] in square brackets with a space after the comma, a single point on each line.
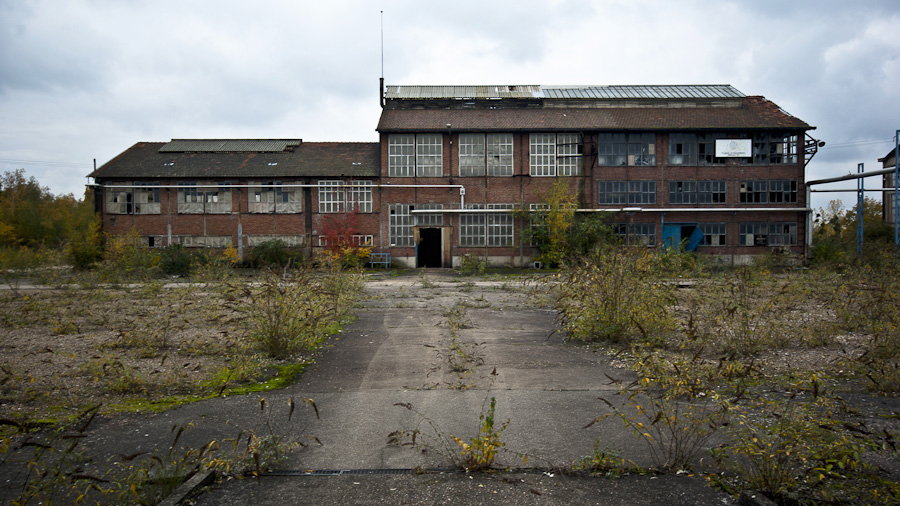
[486, 229]
[485, 154]
[400, 225]
[337, 196]
[554, 154]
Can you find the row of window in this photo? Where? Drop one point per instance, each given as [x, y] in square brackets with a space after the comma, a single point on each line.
[714, 234]
[496, 229]
[335, 196]
[339, 196]
[560, 154]
[696, 192]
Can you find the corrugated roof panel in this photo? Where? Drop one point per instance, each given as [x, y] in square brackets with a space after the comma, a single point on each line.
[643, 92]
[228, 145]
[462, 92]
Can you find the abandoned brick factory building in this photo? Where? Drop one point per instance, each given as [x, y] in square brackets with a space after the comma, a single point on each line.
[703, 167]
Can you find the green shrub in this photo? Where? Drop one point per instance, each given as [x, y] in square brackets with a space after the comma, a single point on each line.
[175, 260]
[616, 296]
[274, 253]
[472, 265]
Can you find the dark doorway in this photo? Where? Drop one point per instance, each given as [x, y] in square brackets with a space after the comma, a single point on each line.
[428, 251]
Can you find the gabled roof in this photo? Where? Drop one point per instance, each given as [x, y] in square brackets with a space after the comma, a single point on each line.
[740, 113]
[161, 160]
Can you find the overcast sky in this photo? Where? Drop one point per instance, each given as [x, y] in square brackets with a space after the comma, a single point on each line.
[81, 80]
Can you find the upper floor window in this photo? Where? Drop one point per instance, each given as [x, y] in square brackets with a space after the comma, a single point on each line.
[626, 192]
[696, 192]
[766, 192]
[204, 198]
[272, 197]
[627, 149]
[485, 154]
[134, 200]
[337, 196]
[415, 155]
[700, 149]
[774, 148]
[555, 154]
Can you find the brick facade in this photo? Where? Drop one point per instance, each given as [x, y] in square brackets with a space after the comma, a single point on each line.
[395, 220]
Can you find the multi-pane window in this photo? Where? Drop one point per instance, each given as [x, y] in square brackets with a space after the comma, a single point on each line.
[288, 240]
[360, 240]
[627, 149]
[774, 148]
[700, 149]
[555, 154]
[135, 200]
[204, 198]
[769, 234]
[400, 225]
[713, 234]
[429, 219]
[485, 154]
[636, 234]
[768, 191]
[415, 155]
[337, 196]
[626, 192]
[486, 229]
[683, 149]
[271, 197]
[696, 192]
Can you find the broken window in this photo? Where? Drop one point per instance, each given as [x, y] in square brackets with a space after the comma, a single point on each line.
[272, 197]
[696, 192]
[768, 191]
[769, 234]
[636, 234]
[555, 154]
[627, 149]
[626, 192]
[774, 148]
[288, 240]
[204, 198]
[683, 149]
[485, 154]
[134, 200]
[713, 234]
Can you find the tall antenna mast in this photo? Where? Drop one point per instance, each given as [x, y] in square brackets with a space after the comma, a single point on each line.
[382, 44]
[381, 79]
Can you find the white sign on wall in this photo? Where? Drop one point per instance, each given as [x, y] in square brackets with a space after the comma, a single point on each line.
[734, 148]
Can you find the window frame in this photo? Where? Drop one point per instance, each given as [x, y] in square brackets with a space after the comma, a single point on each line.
[626, 149]
[555, 154]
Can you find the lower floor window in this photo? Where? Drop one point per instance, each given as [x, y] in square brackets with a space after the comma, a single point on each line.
[287, 240]
[769, 234]
[400, 225]
[486, 229]
[637, 234]
[713, 234]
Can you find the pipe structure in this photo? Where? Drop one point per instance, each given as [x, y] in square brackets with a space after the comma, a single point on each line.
[860, 207]
[897, 191]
